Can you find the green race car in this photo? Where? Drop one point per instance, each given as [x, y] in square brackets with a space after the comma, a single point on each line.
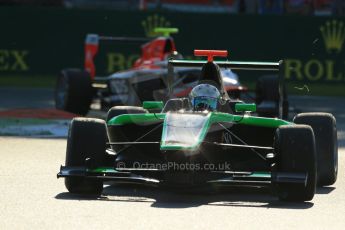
[203, 141]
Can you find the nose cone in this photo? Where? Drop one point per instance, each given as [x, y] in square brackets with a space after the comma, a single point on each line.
[184, 131]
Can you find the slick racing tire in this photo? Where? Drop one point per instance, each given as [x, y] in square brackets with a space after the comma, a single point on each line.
[118, 110]
[295, 153]
[73, 91]
[133, 154]
[87, 138]
[325, 131]
[267, 90]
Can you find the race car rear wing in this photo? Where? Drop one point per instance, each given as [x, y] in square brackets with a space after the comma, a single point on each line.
[239, 65]
[92, 46]
[149, 48]
[233, 65]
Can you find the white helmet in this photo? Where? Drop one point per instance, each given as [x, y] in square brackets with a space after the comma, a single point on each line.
[204, 97]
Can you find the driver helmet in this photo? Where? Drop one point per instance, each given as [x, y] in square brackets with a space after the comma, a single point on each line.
[204, 97]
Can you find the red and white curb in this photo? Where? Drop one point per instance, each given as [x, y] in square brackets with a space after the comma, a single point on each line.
[35, 122]
[34, 127]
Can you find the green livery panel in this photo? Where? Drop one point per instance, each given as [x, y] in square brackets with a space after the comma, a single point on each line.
[190, 133]
[215, 117]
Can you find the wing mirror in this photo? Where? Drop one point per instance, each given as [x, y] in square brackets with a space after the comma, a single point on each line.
[244, 107]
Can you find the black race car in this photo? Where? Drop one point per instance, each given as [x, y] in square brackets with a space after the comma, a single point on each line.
[177, 145]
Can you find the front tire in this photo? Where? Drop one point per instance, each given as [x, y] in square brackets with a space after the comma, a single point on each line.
[86, 139]
[295, 153]
[325, 131]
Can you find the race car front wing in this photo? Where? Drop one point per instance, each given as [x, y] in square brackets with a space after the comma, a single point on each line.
[157, 177]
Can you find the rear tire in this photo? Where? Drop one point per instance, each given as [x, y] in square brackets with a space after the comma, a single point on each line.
[73, 91]
[267, 90]
[295, 153]
[134, 154]
[86, 139]
[325, 131]
[118, 110]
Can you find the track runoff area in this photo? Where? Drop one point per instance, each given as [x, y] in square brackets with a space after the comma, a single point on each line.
[32, 197]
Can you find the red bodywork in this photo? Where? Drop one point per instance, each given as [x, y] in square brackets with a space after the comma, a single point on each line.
[91, 49]
[151, 52]
[156, 50]
[210, 54]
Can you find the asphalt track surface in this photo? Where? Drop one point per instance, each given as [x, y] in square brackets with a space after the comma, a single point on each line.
[32, 198]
